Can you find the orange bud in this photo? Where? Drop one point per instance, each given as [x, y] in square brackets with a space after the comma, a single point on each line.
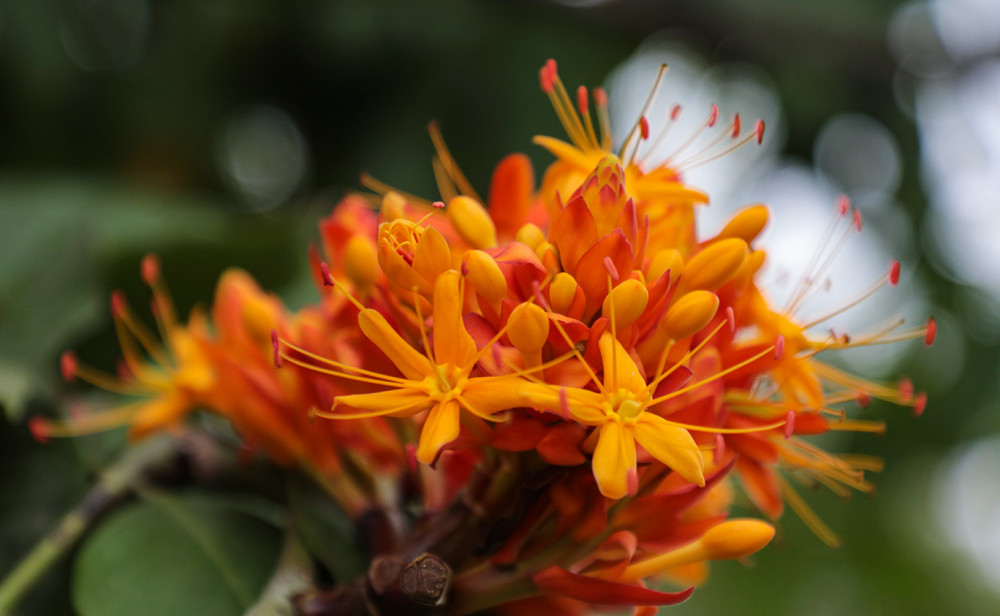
[528, 328]
[361, 261]
[562, 292]
[530, 235]
[746, 224]
[485, 277]
[715, 265]
[663, 261]
[629, 300]
[471, 220]
[393, 206]
[736, 539]
[690, 313]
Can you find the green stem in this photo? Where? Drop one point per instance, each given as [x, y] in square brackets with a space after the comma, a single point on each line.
[114, 482]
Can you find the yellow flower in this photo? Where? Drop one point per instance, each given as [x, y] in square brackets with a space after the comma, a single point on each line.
[439, 381]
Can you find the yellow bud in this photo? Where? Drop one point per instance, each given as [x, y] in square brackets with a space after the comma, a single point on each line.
[629, 300]
[746, 224]
[664, 260]
[528, 328]
[736, 539]
[393, 206]
[549, 257]
[485, 276]
[715, 265]
[690, 313]
[562, 292]
[530, 235]
[361, 261]
[472, 222]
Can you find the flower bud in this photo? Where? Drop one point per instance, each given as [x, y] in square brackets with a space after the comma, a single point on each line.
[530, 235]
[528, 328]
[485, 277]
[715, 265]
[628, 301]
[361, 262]
[663, 261]
[564, 293]
[690, 313]
[472, 222]
[746, 224]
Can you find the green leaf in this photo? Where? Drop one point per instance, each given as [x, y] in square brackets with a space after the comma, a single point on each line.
[325, 530]
[169, 555]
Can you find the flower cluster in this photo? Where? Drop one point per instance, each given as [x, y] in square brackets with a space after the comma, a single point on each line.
[565, 382]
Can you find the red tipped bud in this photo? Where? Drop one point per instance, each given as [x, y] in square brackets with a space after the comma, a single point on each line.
[39, 429]
[581, 100]
[843, 204]
[68, 365]
[789, 424]
[931, 334]
[325, 271]
[713, 115]
[276, 346]
[894, 272]
[150, 269]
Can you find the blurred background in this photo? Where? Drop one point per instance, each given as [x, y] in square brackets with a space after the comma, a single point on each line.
[216, 133]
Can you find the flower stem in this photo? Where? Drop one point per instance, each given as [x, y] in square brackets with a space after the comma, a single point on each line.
[113, 483]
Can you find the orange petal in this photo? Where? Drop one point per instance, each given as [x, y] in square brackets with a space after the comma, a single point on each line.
[510, 194]
[671, 445]
[410, 362]
[440, 428]
[452, 343]
[592, 274]
[397, 402]
[614, 458]
[573, 232]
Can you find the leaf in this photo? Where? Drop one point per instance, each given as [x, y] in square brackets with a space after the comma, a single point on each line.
[325, 530]
[169, 555]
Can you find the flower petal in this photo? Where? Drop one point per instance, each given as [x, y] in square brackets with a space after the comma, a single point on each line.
[396, 402]
[410, 362]
[620, 370]
[614, 457]
[452, 343]
[671, 445]
[440, 428]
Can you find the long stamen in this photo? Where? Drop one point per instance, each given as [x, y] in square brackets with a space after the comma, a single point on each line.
[650, 98]
[843, 205]
[687, 356]
[449, 164]
[756, 135]
[134, 329]
[603, 117]
[668, 126]
[81, 425]
[807, 515]
[713, 116]
[336, 364]
[715, 376]
[584, 108]
[382, 189]
[338, 373]
[878, 284]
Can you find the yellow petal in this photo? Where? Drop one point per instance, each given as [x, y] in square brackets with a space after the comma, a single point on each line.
[715, 265]
[620, 370]
[564, 151]
[584, 406]
[440, 428]
[486, 396]
[432, 255]
[396, 402]
[410, 362]
[671, 445]
[614, 457]
[452, 343]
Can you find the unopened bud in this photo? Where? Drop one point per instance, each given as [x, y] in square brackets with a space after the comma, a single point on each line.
[690, 314]
[530, 235]
[485, 276]
[563, 292]
[472, 222]
[715, 265]
[664, 261]
[528, 328]
[361, 261]
[746, 224]
[628, 301]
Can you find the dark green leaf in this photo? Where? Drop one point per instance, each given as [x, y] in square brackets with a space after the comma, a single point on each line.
[325, 529]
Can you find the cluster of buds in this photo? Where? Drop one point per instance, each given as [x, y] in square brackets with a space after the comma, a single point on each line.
[554, 391]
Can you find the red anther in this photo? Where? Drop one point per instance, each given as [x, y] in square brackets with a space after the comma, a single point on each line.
[857, 220]
[39, 429]
[536, 291]
[737, 126]
[325, 271]
[720, 448]
[894, 272]
[609, 265]
[931, 332]
[713, 115]
[843, 204]
[759, 129]
[552, 67]
[150, 269]
[411, 457]
[633, 481]
[600, 97]
[465, 268]
[118, 304]
[864, 400]
[545, 81]
[919, 404]
[564, 404]
[906, 390]
[581, 100]
[276, 346]
[68, 365]
[643, 127]
[731, 319]
[438, 205]
[789, 424]
[779, 346]
[675, 112]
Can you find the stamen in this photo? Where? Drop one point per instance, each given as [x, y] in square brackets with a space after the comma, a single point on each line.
[919, 404]
[779, 347]
[627, 144]
[714, 377]
[789, 424]
[327, 278]
[807, 515]
[438, 205]
[609, 266]
[931, 334]
[720, 448]
[731, 319]
[68, 365]
[276, 347]
[894, 272]
[383, 189]
[603, 118]
[449, 164]
[890, 278]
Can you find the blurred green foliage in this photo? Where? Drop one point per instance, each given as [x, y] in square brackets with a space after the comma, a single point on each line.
[112, 113]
